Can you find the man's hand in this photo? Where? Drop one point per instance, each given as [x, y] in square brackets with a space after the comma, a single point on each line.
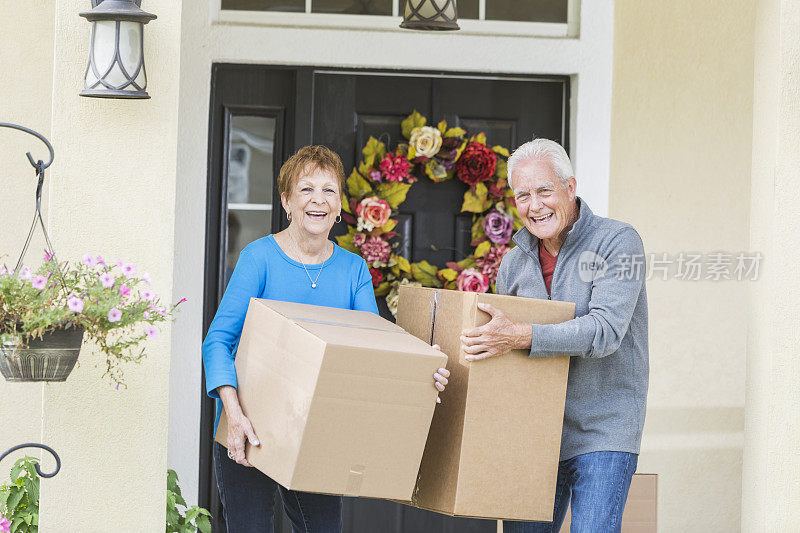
[497, 337]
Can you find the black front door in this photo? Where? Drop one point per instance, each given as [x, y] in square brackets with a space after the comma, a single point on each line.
[260, 115]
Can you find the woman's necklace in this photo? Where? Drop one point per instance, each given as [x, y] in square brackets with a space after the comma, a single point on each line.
[297, 249]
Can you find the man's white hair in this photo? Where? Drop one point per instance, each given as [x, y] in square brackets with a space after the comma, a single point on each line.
[542, 150]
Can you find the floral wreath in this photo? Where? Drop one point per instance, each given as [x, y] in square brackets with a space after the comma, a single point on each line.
[380, 183]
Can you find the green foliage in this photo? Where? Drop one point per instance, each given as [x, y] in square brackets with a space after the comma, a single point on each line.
[189, 520]
[19, 499]
[414, 120]
[394, 193]
[357, 186]
[426, 274]
[476, 201]
[116, 307]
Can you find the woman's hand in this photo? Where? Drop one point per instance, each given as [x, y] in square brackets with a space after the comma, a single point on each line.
[239, 426]
[440, 377]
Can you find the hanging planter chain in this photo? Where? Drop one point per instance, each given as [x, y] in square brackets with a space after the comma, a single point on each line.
[39, 166]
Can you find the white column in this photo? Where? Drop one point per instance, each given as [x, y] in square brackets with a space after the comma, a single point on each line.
[771, 470]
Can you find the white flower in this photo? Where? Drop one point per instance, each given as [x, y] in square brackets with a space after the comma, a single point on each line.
[426, 140]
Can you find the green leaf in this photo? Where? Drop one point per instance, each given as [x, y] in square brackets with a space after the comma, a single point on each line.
[479, 138]
[17, 470]
[403, 263]
[346, 241]
[373, 151]
[14, 499]
[501, 169]
[382, 289]
[483, 248]
[454, 132]
[414, 120]
[172, 481]
[500, 150]
[436, 171]
[203, 524]
[448, 274]
[16, 523]
[476, 201]
[426, 274]
[192, 513]
[468, 262]
[394, 193]
[357, 186]
[32, 487]
[477, 229]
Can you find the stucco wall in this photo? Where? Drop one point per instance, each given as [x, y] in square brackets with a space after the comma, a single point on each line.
[680, 173]
[771, 473]
[113, 193]
[25, 87]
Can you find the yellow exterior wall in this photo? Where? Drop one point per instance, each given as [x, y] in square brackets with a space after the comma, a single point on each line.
[25, 88]
[113, 193]
[681, 133]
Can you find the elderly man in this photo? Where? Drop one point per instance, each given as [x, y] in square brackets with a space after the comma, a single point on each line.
[565, 252]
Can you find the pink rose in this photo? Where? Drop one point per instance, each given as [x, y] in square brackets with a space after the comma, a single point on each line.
[472, 280]
[374, 212]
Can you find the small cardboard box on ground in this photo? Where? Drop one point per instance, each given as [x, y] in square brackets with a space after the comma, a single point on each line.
[493, 447]
[340, 400]
[641, 509]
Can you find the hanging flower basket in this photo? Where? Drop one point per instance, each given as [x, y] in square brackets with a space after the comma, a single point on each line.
[50, 358]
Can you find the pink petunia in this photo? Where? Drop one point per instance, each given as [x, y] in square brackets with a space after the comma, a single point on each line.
[100, 261]
[107, 280]
[89, 261]
[75, 304]
[124, 290]
[25, 273]
[151, 331]
[5, 524]
[47, 256]
[39, 282]
[182, 300]
[129, 269]
[146, 315]
[147, 294]
[146, 277]
[114, 315]
[119, 262]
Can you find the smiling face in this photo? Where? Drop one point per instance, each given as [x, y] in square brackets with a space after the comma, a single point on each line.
[314, 202]
[546, 206]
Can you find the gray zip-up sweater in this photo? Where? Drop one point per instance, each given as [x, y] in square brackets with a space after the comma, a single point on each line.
[601, 268]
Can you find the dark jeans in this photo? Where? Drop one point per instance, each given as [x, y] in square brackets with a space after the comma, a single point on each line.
[598, 485]
[248, 501]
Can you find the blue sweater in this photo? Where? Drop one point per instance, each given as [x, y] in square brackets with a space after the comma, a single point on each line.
[265, 271]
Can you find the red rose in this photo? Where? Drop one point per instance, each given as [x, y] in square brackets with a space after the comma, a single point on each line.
[377, 276]
[477, 163]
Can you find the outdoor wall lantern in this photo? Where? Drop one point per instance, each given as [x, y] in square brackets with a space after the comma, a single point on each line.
[116, 53]
[430, 15]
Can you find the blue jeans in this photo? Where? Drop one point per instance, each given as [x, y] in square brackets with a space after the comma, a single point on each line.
[598, 484]
[248, 501]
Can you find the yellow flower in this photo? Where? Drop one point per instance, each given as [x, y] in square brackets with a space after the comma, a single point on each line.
[426, 140]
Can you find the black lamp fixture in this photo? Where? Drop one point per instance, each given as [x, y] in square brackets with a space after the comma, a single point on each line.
[116, 53]
[430, 15]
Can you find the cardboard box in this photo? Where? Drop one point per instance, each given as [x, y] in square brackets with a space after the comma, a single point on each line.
[340, 400]
[641, 508]
[494, 443]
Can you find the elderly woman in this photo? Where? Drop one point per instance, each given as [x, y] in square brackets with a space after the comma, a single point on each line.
[565, 252]
[299, 264]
